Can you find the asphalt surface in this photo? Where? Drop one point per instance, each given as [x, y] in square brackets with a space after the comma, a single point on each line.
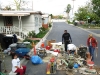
[79, 37]
[97, 31]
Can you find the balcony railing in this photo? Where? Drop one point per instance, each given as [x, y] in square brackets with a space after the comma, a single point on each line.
[12, 30]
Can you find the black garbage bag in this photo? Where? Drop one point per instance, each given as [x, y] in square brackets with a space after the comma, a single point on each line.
[15, 38]
[8, 40]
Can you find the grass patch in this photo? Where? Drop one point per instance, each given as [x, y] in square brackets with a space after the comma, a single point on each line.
[69, 22]
[90, 26]
[41, 34]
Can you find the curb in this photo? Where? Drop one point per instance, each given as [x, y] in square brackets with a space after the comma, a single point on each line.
[23, 61]
[44, 38]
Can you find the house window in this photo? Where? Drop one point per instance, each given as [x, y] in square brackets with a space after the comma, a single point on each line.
[40, 20]
[36, 21]
[8, 21]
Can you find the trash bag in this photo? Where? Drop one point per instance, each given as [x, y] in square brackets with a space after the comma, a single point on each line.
[22, 51]
[36, 60]
[76, 65]
[15, 38]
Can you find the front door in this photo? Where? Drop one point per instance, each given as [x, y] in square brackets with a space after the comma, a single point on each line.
[8, 21]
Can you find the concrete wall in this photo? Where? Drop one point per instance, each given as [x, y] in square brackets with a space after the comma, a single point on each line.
[1, 21]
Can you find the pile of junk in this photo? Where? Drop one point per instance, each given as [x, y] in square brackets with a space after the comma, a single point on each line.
[73, 64]
[10, 46]
[20, 48]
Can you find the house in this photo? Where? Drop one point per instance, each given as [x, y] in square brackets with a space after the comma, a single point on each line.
[20, 22]
[46, 19]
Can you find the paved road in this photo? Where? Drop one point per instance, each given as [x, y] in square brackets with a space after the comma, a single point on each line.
[78, 36]
[97, 31]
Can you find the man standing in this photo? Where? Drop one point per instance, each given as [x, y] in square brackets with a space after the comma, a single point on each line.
[66, 39]
[92, 44]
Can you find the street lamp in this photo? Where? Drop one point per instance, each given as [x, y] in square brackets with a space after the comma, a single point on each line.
[73, 10]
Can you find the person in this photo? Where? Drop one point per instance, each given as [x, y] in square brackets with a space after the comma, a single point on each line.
[17, 67]
[92, 44]
[66, 39]
[15, 40]
[72, 49]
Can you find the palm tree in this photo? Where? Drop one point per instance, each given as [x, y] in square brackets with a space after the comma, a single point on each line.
[68, 8]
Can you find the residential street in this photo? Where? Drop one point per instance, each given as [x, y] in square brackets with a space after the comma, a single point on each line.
[79, 37]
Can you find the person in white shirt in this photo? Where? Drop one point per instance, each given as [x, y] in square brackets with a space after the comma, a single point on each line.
[16, 66]
[72, 49]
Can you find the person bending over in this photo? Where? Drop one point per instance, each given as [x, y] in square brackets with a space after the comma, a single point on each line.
[72, 49]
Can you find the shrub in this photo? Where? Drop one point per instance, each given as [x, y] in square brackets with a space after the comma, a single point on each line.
[50, 25]
[32, 34]
[69, 22]
[41, 34]
[42, 29]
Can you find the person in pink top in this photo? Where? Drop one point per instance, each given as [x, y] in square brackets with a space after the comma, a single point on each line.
[92, 44]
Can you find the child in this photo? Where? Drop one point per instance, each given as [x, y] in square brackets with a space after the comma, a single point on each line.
[17, 67]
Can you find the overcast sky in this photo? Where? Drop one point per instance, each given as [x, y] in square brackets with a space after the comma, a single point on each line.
[50, 6]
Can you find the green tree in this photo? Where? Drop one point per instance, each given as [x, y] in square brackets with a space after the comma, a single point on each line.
[81, 14]
[60, 16]
[84, 13]
[96, 6]
[67, 10]
[51, 15]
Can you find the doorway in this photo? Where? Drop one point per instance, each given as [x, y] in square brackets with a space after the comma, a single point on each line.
[8, 21]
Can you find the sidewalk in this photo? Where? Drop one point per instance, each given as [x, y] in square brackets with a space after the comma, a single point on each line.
[6, 64]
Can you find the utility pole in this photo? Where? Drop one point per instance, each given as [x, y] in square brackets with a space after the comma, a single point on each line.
[32, 5]
[73, 7]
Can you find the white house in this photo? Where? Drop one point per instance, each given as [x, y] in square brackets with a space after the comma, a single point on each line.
[46, 20]
[20, 22]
